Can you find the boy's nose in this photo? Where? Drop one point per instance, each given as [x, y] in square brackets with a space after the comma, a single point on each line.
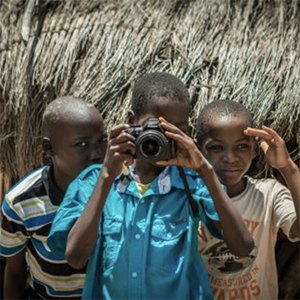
[97, 153]
[229, 157]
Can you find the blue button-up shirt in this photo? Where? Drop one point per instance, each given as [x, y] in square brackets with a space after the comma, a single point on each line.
[147, 245]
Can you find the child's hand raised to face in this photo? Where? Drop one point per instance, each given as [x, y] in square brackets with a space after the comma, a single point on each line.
[272, 145]
[188, 155]
[120, 150]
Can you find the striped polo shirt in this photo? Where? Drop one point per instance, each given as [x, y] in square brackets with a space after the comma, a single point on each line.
[28, 211]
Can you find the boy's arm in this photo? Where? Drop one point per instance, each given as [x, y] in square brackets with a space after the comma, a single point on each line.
[15, 276]
[233, 229]
[83, 236]
[13, 245]
[278, 157]
[291, 175]
[231, 226]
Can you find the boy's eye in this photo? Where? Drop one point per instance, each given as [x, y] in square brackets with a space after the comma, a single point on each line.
[81, 144]
[215, 148]
[103, 139]
[243, 146]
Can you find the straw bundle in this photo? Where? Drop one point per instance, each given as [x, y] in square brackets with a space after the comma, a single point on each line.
[247, 51]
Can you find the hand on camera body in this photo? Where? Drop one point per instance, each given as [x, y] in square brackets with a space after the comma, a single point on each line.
[120, 150]
[187, 155]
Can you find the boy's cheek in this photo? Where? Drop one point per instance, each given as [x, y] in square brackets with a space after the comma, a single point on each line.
[211, 159]
[204, 151]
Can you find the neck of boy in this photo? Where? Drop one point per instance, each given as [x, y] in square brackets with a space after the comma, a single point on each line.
[237, 189]
[145, 172]
[62, 181]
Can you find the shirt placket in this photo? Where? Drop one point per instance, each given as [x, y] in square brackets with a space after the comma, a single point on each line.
[136, 263]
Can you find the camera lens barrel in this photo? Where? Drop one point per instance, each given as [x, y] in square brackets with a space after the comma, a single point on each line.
[152, 146]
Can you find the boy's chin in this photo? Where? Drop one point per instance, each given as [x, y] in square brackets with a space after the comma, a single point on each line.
[154, 164]
[230, 181]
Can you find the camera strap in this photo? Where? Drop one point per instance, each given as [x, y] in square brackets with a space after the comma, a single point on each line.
[192, 202]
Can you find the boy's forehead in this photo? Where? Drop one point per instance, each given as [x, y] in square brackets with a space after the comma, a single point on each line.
[166, 105]
[227, 127]
[162, 101]
[76, 125]
[73, 116]
[231, 122]
[80, 121]
[68, 107]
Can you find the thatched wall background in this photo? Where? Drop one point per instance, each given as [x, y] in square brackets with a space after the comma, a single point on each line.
[247, 51]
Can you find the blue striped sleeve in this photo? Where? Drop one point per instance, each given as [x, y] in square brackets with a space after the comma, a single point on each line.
[13, 237]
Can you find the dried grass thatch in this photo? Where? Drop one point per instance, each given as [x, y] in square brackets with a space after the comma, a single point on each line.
[247, 51]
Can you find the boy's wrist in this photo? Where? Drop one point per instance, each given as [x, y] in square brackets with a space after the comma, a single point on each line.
[205, 170]
[289, 168]
[105, 176]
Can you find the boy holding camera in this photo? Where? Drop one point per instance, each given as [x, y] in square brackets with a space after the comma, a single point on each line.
[73, 136]
[137, 227]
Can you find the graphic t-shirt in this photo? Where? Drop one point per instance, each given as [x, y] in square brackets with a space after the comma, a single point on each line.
[265, 206]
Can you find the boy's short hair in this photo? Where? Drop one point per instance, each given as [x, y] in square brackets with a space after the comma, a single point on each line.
[63, 109]
[217, 109]
[160, 86]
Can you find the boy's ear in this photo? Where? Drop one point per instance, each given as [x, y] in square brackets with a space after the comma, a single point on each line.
[131, 119]
[47, 146]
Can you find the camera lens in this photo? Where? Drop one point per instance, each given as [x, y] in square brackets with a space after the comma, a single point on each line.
[150, 147]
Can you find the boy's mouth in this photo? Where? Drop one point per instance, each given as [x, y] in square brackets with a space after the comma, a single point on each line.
[230, 172]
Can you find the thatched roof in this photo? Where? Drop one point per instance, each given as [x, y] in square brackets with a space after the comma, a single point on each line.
[247, 51]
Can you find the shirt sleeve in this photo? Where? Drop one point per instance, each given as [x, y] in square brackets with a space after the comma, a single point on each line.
[207, 210]
[284, 214]
[13, 234]
[75, 200]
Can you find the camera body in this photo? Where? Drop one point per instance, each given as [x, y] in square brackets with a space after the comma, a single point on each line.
[151, 144]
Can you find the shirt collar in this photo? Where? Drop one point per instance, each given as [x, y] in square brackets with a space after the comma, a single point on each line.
[56, 195]
[161, 185]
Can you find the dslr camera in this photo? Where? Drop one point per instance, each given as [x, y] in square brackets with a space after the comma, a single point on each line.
[151, 144]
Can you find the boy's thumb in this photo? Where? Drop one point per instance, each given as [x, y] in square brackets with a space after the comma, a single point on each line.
[264, 146]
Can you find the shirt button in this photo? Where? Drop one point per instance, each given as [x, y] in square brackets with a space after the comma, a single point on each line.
[169, 234]
[137, 236]
[142, 201]
[134, 274]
